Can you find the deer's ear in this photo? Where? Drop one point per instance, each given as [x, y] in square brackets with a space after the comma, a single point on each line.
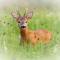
[29, 14]
[15, 15]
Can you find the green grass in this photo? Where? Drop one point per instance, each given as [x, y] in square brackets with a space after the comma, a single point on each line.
[9, 36]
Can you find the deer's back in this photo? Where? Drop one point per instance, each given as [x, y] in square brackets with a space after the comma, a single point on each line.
[43, 35]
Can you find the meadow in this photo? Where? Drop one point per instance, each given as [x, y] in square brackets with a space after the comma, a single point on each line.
[9, 35]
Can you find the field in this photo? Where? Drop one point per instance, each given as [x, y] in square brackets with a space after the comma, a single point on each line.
[9, 36]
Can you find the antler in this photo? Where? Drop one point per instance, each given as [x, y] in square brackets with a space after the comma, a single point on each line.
[25, 12]
[28, 13]
[18, 13]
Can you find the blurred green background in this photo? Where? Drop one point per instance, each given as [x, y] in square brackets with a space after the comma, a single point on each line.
[44, 17]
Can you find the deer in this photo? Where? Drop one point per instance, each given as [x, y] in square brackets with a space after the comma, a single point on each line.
[28, 35]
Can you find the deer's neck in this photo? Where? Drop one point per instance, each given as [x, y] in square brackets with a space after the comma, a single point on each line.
[24, 32]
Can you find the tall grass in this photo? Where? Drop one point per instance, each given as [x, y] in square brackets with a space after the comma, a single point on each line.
[9, 35]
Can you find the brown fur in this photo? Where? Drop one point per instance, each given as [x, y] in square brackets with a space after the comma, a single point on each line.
[29, 36]
[38, 36]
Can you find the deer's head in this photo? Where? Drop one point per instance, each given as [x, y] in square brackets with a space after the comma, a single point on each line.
[22, 20]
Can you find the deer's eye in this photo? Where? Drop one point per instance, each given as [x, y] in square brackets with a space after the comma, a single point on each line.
[18, 21]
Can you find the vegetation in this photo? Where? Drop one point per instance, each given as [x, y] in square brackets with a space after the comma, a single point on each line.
[9, 35]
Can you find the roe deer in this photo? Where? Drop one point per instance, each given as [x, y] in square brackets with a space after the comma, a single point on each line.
[27, 35]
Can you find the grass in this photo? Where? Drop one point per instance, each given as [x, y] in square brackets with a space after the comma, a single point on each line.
[9, 36]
